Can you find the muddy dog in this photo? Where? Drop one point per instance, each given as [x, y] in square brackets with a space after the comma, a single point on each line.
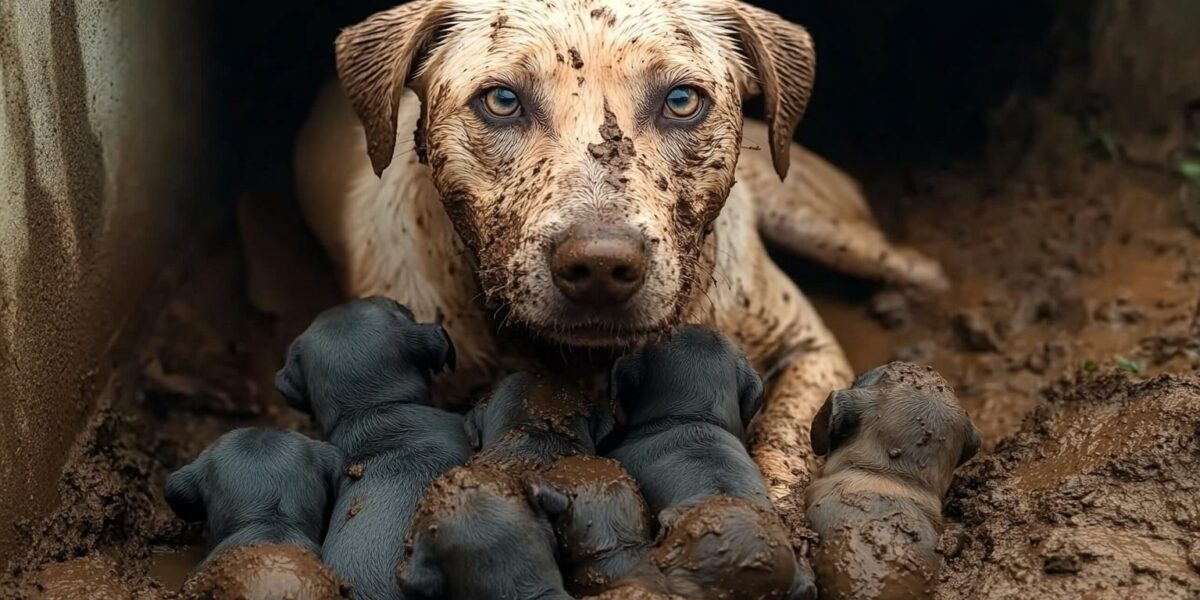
[562, 172]
[478, 535]
[599, 518]
[893, 441]
[364, 370]
[258, 486]
[688, 399]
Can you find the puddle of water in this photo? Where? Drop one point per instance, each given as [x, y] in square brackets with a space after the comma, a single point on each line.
[171, 566]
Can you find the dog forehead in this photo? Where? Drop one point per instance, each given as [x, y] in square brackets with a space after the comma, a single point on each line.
[577, 38]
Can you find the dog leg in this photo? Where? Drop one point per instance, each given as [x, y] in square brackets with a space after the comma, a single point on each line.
[819, 212]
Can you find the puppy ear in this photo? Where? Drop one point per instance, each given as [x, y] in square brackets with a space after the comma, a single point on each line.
[375, 60]
[332, 464]
[473, 425]
[970, 445]
[602, 424]
[291, 383]
[835, 423]
[784, 63]
[183, 493]
[750, 391]
[432, 346]
[625, 377]
[546, 497]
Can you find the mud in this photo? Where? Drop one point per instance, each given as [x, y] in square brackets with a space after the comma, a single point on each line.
[265, 572]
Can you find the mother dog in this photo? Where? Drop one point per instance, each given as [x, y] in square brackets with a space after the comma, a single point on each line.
[556, 178]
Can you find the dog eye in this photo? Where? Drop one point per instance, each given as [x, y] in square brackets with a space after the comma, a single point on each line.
[502, 102]
[682, 103]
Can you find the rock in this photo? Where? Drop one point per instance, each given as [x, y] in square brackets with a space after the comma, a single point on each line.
[976, 333]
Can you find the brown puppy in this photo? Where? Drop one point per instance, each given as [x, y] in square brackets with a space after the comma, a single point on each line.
[599, 518]
[893, 441]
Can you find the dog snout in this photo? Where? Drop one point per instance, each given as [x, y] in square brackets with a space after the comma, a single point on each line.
[599, 267]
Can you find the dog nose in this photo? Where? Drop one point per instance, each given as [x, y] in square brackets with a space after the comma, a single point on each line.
[599, 266]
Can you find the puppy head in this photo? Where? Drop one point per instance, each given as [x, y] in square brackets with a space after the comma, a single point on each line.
[582, 149]
[693, 371]
[530, 401]
[248, 469]
[595, 508]
[361, 352]
[900, 415]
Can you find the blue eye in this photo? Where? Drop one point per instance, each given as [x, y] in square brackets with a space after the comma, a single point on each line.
[682, 103]
[502, 102]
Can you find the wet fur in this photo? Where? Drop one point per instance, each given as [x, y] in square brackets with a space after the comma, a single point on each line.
[455, 225]
[364, 370]
[893, 440]
[258, 486]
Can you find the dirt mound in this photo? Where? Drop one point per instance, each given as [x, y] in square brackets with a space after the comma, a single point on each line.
[1095, 497]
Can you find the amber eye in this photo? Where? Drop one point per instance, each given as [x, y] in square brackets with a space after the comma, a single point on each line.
[682, 103]
[502, 102]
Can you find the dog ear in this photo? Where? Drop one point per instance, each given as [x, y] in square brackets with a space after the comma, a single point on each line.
[432, 346]
[183, 493]
[545, 497]
[375, 60]
[624, 378]
[290, 382]
[750, 391]
[473, 425]
[419, 577]
[332, 465]
[784, 63]
[970, 445]
[602, 424]
[835, 423]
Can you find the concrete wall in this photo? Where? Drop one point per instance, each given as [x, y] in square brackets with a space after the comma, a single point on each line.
[103, 166]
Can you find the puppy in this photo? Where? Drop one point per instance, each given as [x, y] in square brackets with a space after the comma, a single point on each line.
[258, 486]
[688, 399]
[477, 534]
[364, 370]
[893, 441]
[265, 572]
[599, 518]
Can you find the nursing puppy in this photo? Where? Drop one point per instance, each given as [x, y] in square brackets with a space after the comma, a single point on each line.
[893, 441]
[599, 518]
[364, 370]
[258, 486]
[478, 535]
[688, 399]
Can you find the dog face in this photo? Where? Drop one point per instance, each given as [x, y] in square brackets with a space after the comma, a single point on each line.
[692, 372]
[251, 468]
[531, 402]
[362, 353]
[899, 415]
[581, 148]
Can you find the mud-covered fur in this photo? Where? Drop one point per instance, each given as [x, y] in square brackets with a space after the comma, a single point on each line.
[258, 486]
[893, 441]
[479, 535]
[688, 399]
[364, 370]
[599, 518]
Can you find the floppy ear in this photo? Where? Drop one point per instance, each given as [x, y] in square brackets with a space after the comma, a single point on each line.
[419, 577]
[183, 493]
[625, 377]
[750, 391]
[290, 382]
[784, 63]
[473, 425]
[970, 445]
[546, 497]
[835, 423]
[332, 464]
[374, 62]
[602, 424]
[432, 346]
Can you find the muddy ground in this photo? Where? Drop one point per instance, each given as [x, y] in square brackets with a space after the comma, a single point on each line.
[1072, 337]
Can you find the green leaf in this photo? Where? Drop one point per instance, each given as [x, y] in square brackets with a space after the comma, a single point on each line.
[1132, 366]
[1190, 169]
[1090, 366]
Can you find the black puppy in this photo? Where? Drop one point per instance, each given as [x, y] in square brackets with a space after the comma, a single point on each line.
[364, 369]
[258, 486]
[478, 535]
[688, 399]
